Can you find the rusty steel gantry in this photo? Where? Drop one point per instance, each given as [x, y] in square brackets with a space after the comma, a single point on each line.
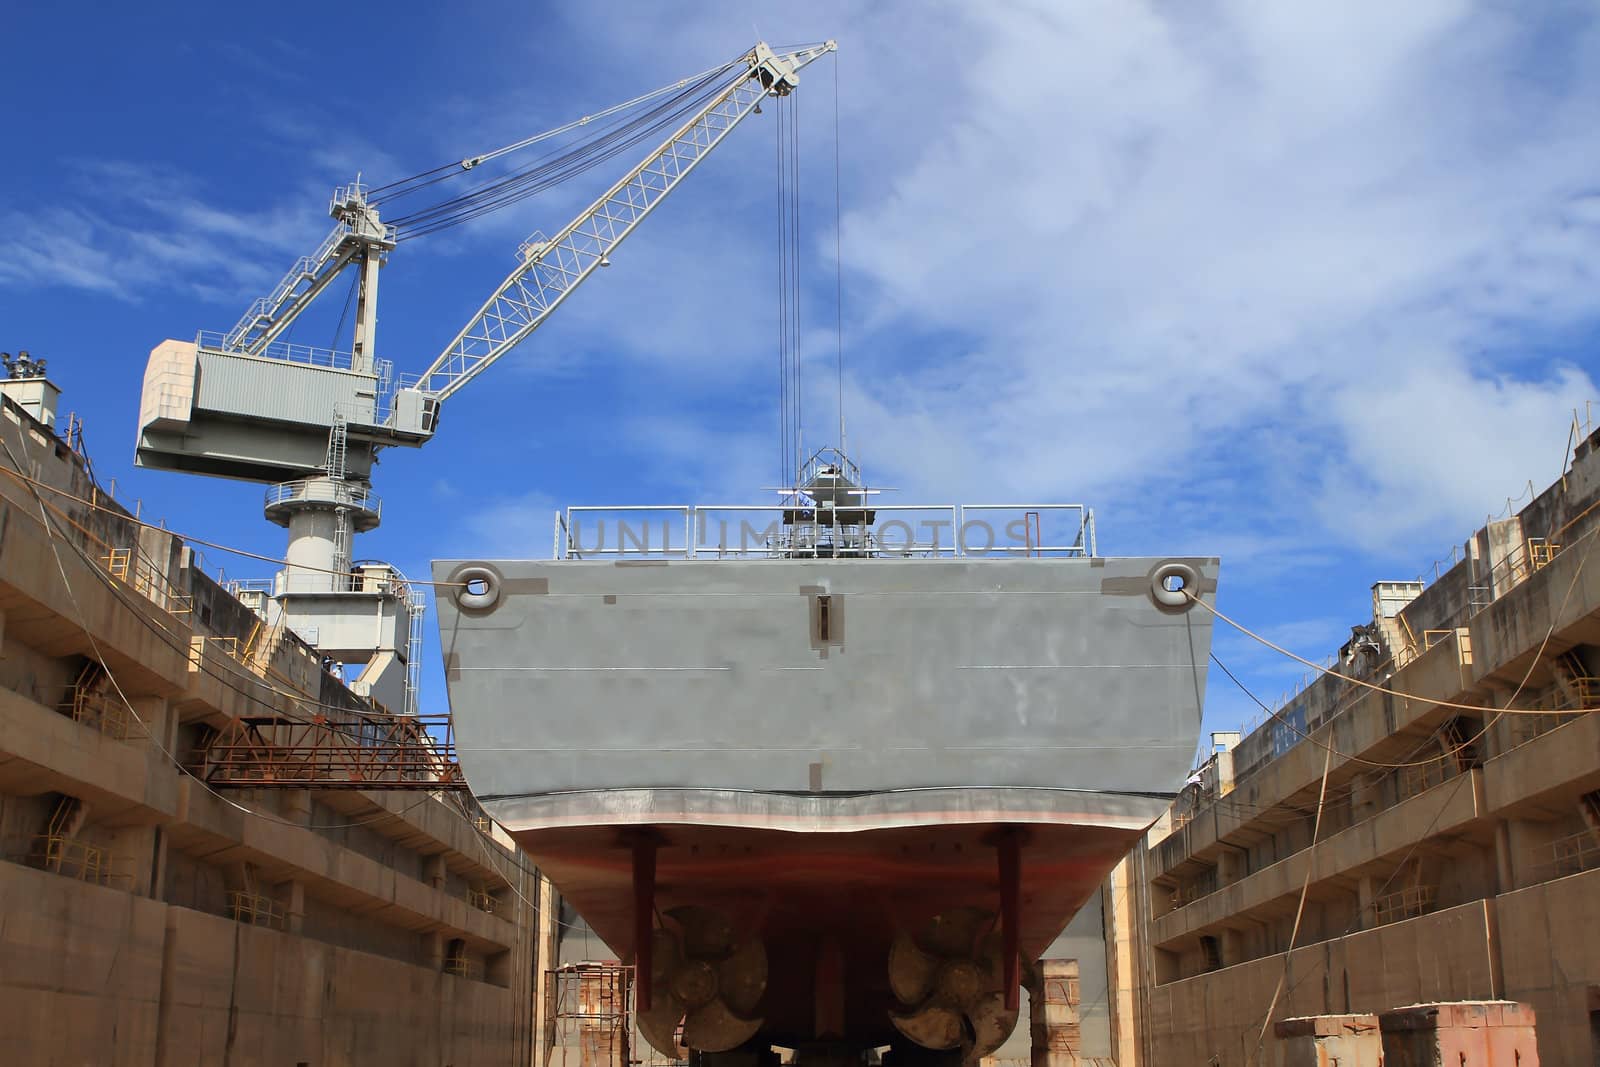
[364, 750]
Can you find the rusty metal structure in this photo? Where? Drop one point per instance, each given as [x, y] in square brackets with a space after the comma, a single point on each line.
[353, 750]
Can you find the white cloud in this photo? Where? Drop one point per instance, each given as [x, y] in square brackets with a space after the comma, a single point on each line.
[1156, 257]
[137, 228]
[1168, 243]
[56, 247]
[1431, 440]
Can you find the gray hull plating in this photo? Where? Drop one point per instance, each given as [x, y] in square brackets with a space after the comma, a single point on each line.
[785, 694]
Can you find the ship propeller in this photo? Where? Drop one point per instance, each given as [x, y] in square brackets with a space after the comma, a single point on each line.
[951, 980]
[706, 979]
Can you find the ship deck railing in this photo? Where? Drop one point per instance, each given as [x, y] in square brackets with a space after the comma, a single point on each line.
[898, 531]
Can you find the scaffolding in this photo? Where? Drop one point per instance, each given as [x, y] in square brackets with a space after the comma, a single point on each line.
[587, 1005]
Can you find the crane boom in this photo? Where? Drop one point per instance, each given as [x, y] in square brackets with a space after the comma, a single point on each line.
[551, 269]
[247, 404]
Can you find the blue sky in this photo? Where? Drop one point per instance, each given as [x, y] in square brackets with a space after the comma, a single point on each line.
[1313, 288]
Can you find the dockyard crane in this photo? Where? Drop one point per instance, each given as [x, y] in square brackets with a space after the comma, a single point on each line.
[311, 422]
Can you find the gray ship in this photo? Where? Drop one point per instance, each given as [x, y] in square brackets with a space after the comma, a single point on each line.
[828, 772]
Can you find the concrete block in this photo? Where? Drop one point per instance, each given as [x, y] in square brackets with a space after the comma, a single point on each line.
[1476, 1033]
[1328, 1041]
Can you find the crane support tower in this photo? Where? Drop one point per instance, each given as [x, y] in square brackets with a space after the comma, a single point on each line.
[310, 422]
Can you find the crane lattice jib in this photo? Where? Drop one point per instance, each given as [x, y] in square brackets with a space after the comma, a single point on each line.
[552, 269]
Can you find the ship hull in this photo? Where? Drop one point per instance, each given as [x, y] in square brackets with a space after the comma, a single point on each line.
[870, 874]
[828, 752]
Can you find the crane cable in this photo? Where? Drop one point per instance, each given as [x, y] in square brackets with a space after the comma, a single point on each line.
[791, 392]
[838, 256]
[558, 166]
[787, 475]
[404, 186]
[795, 354]
[791, 422]
[606, 134]
[692, 91]
[530, 181]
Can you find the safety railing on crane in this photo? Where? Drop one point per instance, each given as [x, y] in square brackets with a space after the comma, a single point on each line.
[310, 355]
[324, 490]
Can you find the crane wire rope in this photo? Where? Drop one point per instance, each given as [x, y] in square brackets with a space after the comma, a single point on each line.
[614, 130]
[787, 474]
[838, 256]
[795, 352]
[791, 409]
[349, 296]
[560, 164]
[491, 196]
[402, 186]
